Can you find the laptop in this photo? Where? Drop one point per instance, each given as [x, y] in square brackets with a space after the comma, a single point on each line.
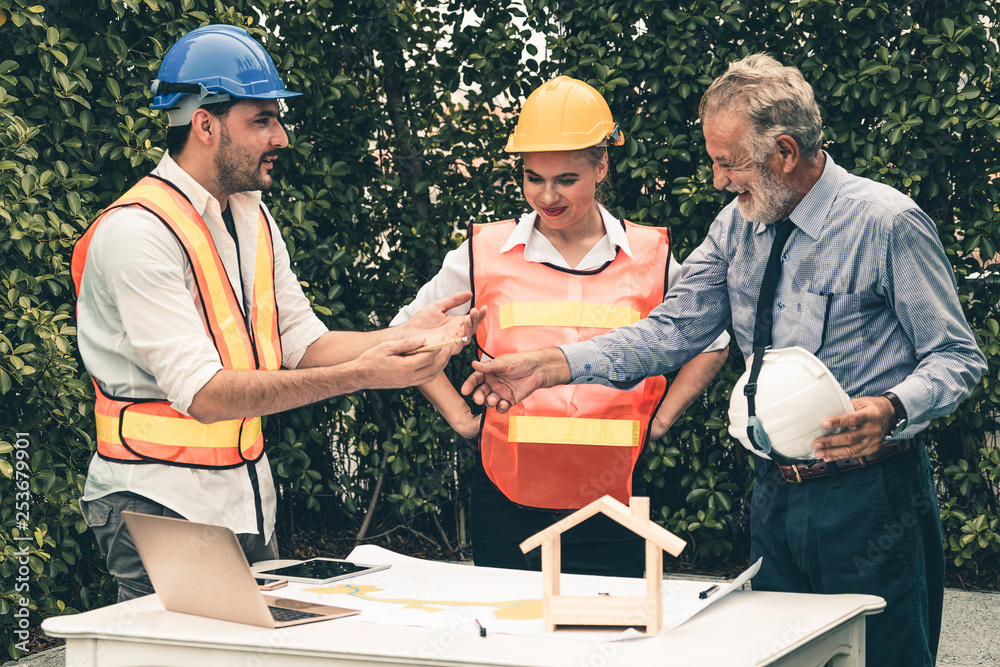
[200, 569]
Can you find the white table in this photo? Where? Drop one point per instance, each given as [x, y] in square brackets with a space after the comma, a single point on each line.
[745, 628]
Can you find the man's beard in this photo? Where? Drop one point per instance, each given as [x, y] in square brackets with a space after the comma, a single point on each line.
[237, 170]
[768, 200]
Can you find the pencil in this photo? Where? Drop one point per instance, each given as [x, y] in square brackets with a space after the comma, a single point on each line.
[437, 346]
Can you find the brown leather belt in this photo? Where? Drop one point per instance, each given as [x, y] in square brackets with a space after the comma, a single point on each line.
[799, 473]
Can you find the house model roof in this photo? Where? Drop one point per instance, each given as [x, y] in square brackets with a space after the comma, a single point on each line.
[618, 511]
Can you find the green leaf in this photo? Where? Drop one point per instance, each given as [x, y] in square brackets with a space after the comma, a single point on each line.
[724, 501]
[77, 57]
[73, 199]
[696, 494]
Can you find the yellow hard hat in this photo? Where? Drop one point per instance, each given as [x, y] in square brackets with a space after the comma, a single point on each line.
[563, 114]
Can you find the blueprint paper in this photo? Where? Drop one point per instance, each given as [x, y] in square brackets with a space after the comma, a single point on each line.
[454, 596]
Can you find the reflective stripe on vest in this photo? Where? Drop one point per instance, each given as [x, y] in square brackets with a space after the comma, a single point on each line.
[599, 315]
[135, 430]
[565, 446]
[575, 431]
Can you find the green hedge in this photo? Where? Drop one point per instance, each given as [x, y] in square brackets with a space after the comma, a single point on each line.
[395, 149]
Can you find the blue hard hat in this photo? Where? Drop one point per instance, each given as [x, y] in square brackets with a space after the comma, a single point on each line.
[214, 60]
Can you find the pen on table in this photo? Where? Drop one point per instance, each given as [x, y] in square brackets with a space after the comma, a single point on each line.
[273, 586]
[438, 345]
[708, 591]
[482, 630]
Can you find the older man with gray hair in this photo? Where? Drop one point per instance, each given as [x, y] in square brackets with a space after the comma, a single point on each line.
[810, 256]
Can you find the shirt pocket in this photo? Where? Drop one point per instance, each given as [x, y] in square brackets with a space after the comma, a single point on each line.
[828, 320]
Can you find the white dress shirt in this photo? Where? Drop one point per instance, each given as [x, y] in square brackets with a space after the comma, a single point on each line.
[454, 274]
[141, 332]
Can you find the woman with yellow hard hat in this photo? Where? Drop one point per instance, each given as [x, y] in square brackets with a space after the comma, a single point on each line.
[563, 272]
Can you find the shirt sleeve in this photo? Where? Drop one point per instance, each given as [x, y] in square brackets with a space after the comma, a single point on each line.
[453, 277]
[673, 277]
[694, 314]
[141, 266]
[923, 294]
[298, 325]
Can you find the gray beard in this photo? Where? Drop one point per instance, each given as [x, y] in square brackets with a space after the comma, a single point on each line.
[770, 200]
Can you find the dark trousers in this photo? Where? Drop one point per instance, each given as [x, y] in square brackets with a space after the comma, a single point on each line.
[599, 545]
[103, 515]
[875, 531]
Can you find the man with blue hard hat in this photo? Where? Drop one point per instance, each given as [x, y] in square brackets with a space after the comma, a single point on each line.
[193, 324]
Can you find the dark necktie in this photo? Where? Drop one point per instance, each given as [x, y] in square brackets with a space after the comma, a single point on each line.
[772, 273]
[762, 335]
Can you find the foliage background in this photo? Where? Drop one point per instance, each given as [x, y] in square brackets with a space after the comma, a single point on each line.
[395, 148]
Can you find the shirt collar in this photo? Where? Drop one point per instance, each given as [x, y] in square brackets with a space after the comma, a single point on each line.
[613, 230]
[811, 213]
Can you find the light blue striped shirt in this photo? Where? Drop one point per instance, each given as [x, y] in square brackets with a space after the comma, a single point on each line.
[860, 249]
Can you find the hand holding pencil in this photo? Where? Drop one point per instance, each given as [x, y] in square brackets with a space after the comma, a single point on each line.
[461, 340]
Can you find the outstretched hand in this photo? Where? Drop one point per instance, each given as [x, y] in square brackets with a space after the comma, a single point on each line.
[510, 378]
[867, 427]
[433, 323]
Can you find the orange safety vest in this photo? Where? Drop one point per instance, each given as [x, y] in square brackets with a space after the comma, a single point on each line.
[133, 430]
[563, 447]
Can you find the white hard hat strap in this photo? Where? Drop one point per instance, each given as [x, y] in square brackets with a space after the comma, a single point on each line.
[188, 104]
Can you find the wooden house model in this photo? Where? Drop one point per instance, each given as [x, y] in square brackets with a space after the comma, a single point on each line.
[605, 610]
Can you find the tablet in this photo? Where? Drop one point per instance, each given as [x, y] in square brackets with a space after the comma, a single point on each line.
[319, 570]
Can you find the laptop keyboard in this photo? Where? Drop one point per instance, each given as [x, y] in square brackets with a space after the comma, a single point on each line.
[281, 614]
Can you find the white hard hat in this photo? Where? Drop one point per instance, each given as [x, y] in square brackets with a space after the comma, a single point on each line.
[795, 393]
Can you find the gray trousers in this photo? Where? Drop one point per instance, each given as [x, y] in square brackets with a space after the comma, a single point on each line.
[103, 515]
